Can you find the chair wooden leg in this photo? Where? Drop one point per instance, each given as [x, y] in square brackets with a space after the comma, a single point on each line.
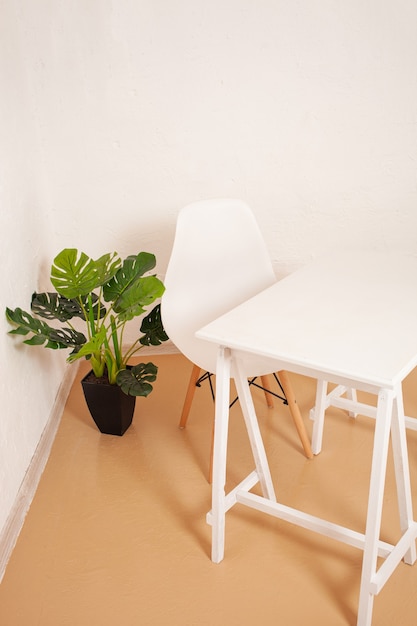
[189, 396]
[295, 412]
[268, 395]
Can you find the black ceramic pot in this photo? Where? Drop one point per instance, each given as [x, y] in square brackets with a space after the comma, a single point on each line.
[111, 409]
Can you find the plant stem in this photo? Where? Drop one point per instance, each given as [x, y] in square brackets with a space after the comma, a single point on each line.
[116, 344]
[132, 350]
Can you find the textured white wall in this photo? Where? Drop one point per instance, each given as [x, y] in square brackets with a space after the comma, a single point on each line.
[27, 385]
[117, 112]
[307, 110]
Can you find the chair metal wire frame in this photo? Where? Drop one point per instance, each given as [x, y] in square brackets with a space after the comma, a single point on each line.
[208, 376]
[287, 398]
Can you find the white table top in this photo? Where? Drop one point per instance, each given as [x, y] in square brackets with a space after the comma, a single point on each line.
[351, 316]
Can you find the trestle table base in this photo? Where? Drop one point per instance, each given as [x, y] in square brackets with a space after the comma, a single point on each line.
[390, 420]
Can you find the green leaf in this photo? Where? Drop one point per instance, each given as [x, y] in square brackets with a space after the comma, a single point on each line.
[73, 306]
[68, 337]
[41, 332]
[139, 295]
[93, 347]
[107, 266]
[24, 321]
[152, 328]
[136, 381]
[54, 306]
[51, 306]
[74, 274]
[132, 269]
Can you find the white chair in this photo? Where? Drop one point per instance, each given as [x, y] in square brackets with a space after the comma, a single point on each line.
[218, 260]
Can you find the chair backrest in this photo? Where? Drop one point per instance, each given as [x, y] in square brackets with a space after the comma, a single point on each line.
[218, 260]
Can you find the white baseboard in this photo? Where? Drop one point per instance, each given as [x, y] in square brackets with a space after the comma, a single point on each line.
[164, 348]
[11, 530]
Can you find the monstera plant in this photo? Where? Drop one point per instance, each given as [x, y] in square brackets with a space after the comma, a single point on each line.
[102, 296]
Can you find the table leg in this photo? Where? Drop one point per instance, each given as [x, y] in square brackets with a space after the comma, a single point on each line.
[319, 411]
[353, 397]
[221, 423]
[402, 471]
[255, 437]
[375, 501]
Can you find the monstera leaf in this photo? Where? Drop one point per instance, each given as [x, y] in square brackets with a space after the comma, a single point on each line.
[129, 290]
[152, 328]
[68, 338]
[91, 347]
[42, 334]
[51, 306]
[132, 269]
[106, 267]
[136, 381]
[74, 274]
[139, 295]
[97, 308]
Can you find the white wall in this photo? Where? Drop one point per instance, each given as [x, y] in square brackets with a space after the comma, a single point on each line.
[27, 385]
[118, 112]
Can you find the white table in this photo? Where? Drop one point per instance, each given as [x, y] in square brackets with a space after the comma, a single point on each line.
[351, 320]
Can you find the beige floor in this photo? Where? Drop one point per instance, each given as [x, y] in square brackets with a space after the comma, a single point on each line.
[116, 534]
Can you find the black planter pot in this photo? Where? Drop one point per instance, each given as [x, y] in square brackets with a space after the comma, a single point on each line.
[111, 409]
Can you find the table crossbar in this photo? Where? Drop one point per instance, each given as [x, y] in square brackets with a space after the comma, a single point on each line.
[231, 498]
[397, 554]
[310, 522]
[353, 407]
